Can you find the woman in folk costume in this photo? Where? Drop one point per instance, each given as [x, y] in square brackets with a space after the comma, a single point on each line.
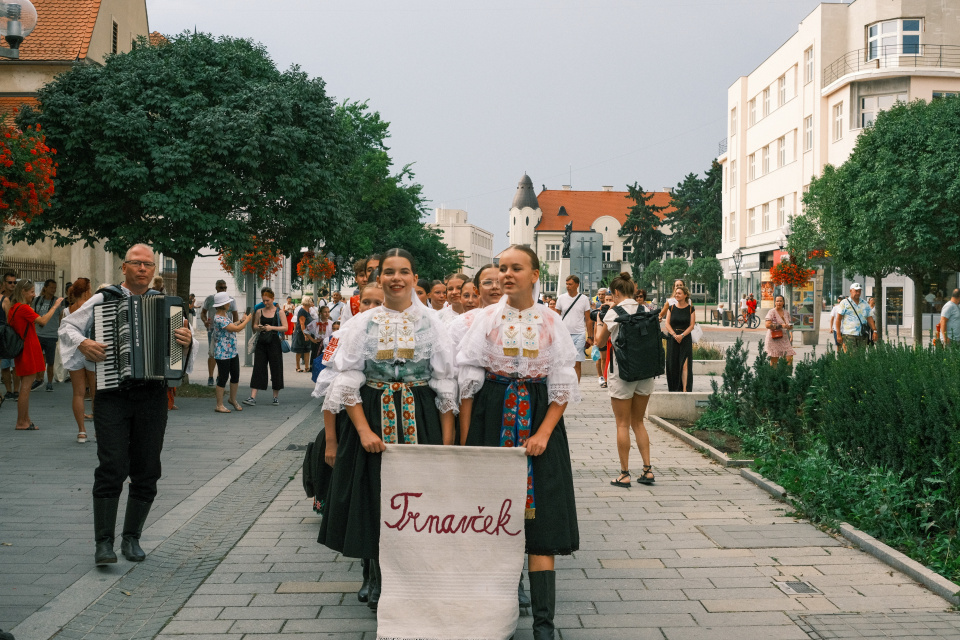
[395, 385]
[516, 377]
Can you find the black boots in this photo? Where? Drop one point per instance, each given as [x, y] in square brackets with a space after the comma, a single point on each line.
[132, 528]
[363, 595]
[104, 529]
[374, 597]
[543, 594]
[522, 596]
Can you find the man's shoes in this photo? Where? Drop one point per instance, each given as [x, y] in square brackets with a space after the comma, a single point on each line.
[250, 402]
[5, 635]
[276, 402]
[136, 515]
[49, 386]
[36, 385]
[104, 527]
[210, 382]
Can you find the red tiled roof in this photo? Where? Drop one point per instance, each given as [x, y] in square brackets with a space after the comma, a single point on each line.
[9, 103]
[157, 39]
[583, 207]
[63, 32]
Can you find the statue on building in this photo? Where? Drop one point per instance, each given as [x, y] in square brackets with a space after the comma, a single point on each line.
[567, 230]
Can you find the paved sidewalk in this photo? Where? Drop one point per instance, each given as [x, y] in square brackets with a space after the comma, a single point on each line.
[698, 555]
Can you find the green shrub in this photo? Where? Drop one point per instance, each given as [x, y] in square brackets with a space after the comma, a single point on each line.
[704, 350]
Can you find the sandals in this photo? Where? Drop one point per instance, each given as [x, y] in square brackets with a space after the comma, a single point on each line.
[643, 479]
[32, 427]
[619, 482]
[223, 410]
[82, 437]
[236, 405]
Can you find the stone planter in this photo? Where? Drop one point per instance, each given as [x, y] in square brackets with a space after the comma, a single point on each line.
[708, 367]
[687, 406]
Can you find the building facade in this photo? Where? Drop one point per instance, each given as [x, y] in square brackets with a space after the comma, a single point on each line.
[539, 221]
[474, 243]
[805, 106]
[68, 32]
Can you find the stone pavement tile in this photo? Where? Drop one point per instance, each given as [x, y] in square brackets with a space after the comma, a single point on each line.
[198, 613]
[331, 625]
[609, 634]
[650, 607]
[862, 603]
[203, 636]
[780, 632]
[319, 587]
[752, 604]
[257, 626]
[769, 592]
[742, 619]
[719, 571]
[637, 621]
[269, 613]
[198, 626]
[236, 600]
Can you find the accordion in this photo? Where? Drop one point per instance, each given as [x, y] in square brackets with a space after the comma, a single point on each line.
[141, 346]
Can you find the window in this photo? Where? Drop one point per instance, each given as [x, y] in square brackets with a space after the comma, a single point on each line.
[753, 112]
[870, 106]
[606, 253]
[553, 252]
[751, 221]
[781, 211]
[627, 250]
[733, 121]
[893, 38]
[808, 133]
[940, 95]
[838, 121]
[782, 90]
[782, 151]
[766, 216]
[550, 284]
[808, 65]
[116, 33]
[733, 173]
[766, 160]
[752, 167]
[732, 226]
[766, 102]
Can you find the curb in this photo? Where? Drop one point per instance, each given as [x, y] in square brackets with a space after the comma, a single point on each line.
[696, 443]
[882, 552]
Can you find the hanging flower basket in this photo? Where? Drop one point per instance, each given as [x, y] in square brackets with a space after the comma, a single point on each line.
[263, 260]
[788, 273]
[315, 267]
[27, 171]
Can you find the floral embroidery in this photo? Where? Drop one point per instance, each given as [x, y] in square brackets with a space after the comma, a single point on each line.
[396, 336]
[388, 411]
[520, 332]
[515, 428]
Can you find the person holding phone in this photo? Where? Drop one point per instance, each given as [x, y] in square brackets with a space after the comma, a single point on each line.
[269, 323]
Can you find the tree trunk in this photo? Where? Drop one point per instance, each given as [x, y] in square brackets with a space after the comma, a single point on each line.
[917, 310]
[184, 267]
[878, 300]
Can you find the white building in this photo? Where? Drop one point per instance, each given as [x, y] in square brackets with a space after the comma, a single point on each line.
[539, 222]
[474, 243]
[804, 107]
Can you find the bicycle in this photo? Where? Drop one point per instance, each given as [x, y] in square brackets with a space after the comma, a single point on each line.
[752, 321]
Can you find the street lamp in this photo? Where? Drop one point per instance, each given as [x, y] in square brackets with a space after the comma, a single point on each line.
[18, 19]
[737, 261]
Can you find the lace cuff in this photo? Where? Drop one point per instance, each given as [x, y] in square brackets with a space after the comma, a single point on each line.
[563, 394]
[446, 390]
[470, 380]
[344, 391]
[447, 403]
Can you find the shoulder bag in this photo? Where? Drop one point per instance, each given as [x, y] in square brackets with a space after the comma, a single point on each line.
[570, 308]
[778, 331]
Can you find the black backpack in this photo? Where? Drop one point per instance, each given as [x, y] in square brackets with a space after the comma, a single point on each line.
[638, 347]
[11, 343]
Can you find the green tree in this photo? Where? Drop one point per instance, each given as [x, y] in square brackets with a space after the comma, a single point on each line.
[649, 277]
[642, 229]
[697, 216]
[672, 269]
[198, 143]
[706, 271]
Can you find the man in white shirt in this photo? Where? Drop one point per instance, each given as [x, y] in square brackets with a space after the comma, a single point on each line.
[833, 320]
[950, 315]
[574, 308]
[336, 307]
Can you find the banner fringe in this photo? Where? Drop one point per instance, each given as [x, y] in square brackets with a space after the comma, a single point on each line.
[530, 514]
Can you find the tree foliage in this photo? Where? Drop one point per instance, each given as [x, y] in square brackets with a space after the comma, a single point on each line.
[642, 229]
[706, 271]
[697, 217]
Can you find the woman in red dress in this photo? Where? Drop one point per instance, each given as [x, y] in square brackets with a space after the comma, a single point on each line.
[29, 363]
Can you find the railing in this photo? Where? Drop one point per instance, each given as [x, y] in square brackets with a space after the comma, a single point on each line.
[36, 270]
[722, 147]
[931, 56]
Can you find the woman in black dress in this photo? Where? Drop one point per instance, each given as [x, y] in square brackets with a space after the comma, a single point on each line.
[516, 375]
[680, 320]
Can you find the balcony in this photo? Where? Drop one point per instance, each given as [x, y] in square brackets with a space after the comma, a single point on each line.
[911, 56]
[722, 147]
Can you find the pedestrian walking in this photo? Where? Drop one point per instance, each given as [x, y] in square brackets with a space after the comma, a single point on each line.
[193, 305]
[24, 321]
[751, 307]
[743, 307]
[950, 318]
[225, 350]
[681, 317]
[11, 381]
[269, 324]
[516, 367]
[130, 421]
[627, 398]
[206, 317]
[574, 308]
[778, 322]
[833, 321]
[47, 334]
[83, 373]
[336, 306]
[855, 326]
[300, 344]
[597, 315]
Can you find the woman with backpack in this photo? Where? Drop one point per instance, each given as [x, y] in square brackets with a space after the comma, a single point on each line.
[24, 320]
[629, 399]
[681, 318]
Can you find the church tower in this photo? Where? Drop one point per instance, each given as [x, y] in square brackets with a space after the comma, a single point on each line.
[524, 213]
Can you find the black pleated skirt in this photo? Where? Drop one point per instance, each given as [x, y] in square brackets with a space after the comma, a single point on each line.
[554, 530]
[351, 524]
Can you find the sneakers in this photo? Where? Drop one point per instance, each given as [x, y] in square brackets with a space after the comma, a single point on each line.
[602, 382]
[49, 386]
[250, 402]
[209, 382]
[276, 402]
[36, 385]
[9, 396]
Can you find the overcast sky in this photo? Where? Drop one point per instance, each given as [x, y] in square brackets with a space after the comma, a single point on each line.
[477, 93]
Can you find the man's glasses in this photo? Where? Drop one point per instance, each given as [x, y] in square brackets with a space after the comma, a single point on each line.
[140, 263]
[10, 282]
[489, 283]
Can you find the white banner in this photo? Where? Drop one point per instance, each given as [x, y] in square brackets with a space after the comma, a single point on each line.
[451, 542]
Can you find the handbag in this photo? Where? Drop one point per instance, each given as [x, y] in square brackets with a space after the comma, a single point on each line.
[284, 345]
[778, 331]
[696, 334]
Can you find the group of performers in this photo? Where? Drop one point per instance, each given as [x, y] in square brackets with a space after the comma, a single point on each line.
[500, 375]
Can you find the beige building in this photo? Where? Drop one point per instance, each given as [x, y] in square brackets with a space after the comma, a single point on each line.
[475, 243]
[68, 32]
[804, 107]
